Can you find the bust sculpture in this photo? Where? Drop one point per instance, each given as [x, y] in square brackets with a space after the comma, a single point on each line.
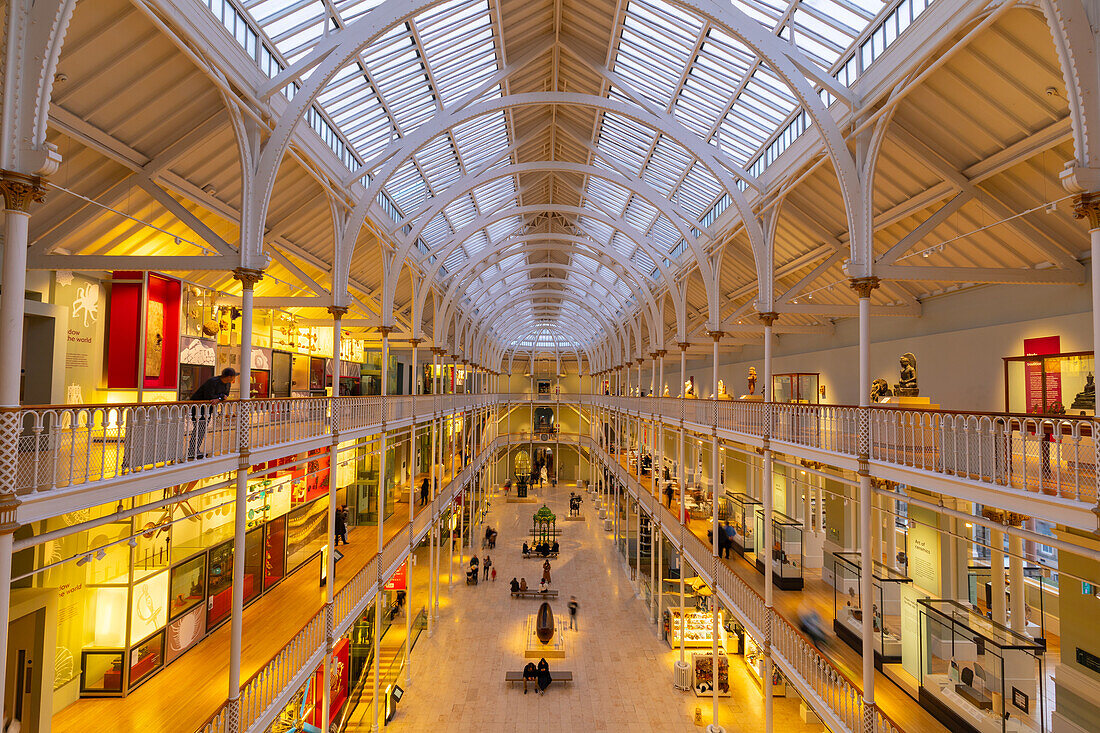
[1086, 398]
[666, 390]
[689, 388]
[907, 384]
[752, 380]
[879, 389]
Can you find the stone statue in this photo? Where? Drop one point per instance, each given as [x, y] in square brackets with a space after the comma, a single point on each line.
[907, 386]
[722, 390]
[880, 388]
[689, 388]
[752, 380]
[666, 390]
[1086, 398]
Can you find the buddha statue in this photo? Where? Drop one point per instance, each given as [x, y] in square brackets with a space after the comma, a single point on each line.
[752, 380]
[1086, 398]
[907, 384]
[722, 390]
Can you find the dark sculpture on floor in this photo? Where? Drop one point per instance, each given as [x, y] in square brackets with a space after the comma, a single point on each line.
[907, 386]
[880, 389]
[1086, 398]
[544, 623]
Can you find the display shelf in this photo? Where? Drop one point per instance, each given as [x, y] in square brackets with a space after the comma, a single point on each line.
[699, 629]
[786, 549]
[702, 674]
[886, 607]
[754, 660]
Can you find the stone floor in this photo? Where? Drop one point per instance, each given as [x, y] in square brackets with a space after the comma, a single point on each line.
[622, 672]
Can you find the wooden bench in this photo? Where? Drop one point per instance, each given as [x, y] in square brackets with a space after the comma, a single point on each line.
[535, 594]
[555, 676]
[538, 556]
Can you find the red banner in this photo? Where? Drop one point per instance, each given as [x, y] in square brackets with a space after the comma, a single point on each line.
[399, 581]
[1039, 401]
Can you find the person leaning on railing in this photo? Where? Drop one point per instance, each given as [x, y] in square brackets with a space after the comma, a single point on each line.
[213, 390]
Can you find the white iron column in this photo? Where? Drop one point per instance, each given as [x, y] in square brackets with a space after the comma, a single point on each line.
[19, 193]
[714, 727]
[1087, 206]
[337, 312]
[767, 496]
[680, 477]
[1017, 615]
[863, 287]
[248, 279]
[997, 576]
[414, 464]
[382, 473]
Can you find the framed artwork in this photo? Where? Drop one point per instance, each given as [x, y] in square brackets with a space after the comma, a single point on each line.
[154, 338]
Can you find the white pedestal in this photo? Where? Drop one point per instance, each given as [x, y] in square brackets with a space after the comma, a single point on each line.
[682, 675]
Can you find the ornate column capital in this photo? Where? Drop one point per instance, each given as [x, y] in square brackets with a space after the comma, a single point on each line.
[385, 330]
[661, 352]
[684, 345]
[338, 311]
[715, 334]
[415, 342]
[1087, 206]
[769, 318]
[20, 190]
[863, 285]
[1001, 516]
[248, 277]
[9, 503]
[438, 351]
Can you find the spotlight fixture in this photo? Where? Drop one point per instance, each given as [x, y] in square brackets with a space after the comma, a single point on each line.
[102, 553]
[84, 559]
[132, 542]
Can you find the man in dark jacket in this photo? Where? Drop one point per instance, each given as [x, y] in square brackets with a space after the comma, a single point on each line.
[341, 525]
[213, 390]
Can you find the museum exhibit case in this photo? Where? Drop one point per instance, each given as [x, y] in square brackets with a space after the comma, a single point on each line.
[786, 549]
[754, 660]
[698, 628]
[702, 673]
[798, 387]
[1037, 586]
[742, 507]
[976, 675]
[885, 612]
[1051, 384]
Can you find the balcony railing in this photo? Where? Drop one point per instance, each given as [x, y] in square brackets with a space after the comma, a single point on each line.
[1050, 455]
[58, 447]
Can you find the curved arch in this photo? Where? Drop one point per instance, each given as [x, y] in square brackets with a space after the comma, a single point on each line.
[1074, 39]
[340, 47]
[581, 303]
[617, 224]
[474, 269]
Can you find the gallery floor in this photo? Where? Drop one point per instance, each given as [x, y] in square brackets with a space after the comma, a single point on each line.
[622, 672]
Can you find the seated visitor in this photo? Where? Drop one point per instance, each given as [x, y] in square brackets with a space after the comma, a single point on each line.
[530, 674]
[515, 585]
[526, 549]
[554, 549]
[543, 675]
[523, 584]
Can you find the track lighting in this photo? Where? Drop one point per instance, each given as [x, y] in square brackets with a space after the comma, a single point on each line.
[102, 553]
[84, 559]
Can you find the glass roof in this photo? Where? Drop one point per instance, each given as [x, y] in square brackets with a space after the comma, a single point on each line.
[677, 62]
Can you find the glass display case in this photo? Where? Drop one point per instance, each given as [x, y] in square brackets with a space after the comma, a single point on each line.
[885, 612]
[702, 673]
[976, 675]
[796, 387]
[699, 628]
[754, 660]
[741, 511]
[786, 549]
[1051, 384]
[1037, 585]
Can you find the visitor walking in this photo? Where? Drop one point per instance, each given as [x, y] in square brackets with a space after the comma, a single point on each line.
[573, 613]
[486, 565]
[424, 488]
[546, 571]
[668, 494]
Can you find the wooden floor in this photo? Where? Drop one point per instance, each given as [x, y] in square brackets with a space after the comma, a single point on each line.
[185, 694]
[622, 673]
